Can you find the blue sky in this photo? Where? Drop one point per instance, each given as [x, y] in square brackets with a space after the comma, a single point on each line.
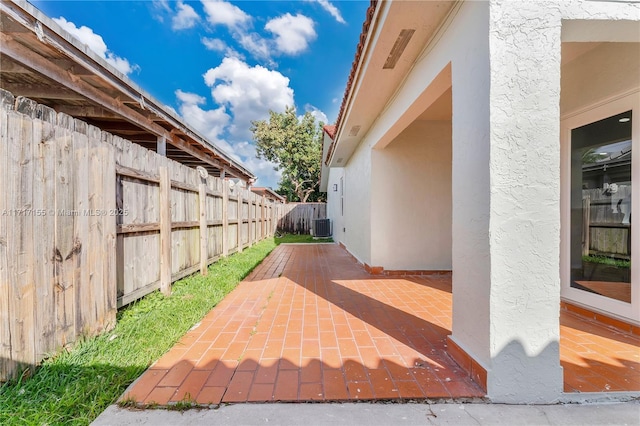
[221, 64]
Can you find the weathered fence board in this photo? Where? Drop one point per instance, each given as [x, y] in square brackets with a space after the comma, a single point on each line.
[44, 187]
[7, 366]
[607, 218]
[56, 257]
[297, 218]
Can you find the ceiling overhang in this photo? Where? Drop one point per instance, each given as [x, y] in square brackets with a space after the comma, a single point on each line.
[397, 35]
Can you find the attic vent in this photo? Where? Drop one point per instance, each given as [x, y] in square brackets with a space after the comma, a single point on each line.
[339, 160]
[398, 48]
[354, 131]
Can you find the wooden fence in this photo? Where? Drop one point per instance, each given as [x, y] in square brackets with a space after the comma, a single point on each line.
[297, 218]
[606, 222]
[90, 222]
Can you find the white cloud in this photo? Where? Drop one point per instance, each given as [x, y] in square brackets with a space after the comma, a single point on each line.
[333, 11]
[96, 43]
[316, 113]
[242, 93]
[292, 33]
[224, 13]
[185, 18]
[264, 170]
[254, 44]
[248, 92]
[162, 8]
[214, 44]
[211, 123]
[218, 45]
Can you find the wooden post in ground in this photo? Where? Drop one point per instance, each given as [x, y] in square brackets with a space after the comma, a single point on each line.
[204, 231]
[262, 219]
[240, 222]
[225, 218]
[586, 225]
[165, 231]
[252, 227]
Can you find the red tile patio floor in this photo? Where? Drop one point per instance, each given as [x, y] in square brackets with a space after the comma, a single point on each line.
[309, 324]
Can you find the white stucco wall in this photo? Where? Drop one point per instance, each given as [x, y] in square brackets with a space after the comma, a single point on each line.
[411, 199]
[334, 212]
[524, 231]
[357, 204]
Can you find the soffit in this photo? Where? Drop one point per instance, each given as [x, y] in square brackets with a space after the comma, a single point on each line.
[374, 86]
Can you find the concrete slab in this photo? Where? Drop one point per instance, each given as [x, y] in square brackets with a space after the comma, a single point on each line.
[372, 414]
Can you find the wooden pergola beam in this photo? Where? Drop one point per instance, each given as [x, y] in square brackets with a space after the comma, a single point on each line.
[37, 91]
[27, 57]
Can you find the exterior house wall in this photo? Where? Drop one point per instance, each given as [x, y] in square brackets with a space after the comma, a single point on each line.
[504, 60]
[357, 204]
[411, 199]
[334, 212]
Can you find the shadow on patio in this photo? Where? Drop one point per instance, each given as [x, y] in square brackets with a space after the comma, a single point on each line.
[309, 324]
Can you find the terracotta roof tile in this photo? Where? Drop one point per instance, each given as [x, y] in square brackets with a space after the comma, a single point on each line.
[352, 73]
[330, 130]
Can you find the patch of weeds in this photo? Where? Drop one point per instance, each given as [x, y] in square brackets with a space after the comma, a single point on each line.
[128, 402]
[183, 405]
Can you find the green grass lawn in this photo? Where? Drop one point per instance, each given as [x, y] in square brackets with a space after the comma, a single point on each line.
[75, 386]
[293, 238]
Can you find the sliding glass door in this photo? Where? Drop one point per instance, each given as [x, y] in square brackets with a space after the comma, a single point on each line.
[601, 156]
[600, 189]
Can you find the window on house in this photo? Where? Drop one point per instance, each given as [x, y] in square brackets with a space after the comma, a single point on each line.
[601, 207]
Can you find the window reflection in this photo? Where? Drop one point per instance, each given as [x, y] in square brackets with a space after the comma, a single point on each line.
[601, 207]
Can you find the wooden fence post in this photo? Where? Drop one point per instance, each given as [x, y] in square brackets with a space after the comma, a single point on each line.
[225, 218]
[204, 231]
[586, 225]
[262, 219]
[240, 224]
[252, 227]
[165, 231]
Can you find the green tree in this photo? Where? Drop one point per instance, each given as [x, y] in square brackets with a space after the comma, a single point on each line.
[295, 146]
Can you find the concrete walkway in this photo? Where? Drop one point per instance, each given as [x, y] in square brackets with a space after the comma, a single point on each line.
[383, 414]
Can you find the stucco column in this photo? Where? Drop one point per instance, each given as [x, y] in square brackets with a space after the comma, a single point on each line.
[506, 225]
[524, 215]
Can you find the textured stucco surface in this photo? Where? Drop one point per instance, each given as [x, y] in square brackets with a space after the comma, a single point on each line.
[411, 196]
[524, 47]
